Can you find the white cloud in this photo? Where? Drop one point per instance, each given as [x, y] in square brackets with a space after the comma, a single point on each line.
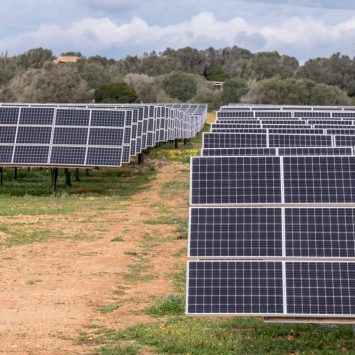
[302, 37]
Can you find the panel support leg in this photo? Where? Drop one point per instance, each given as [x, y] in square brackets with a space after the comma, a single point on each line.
[185, 141]
[140, 158]
[1, 176]
[77, 175]
[67, 177]
[54, 176]
[176, 143]
[87, 172]
[353, 330]
[15, 174]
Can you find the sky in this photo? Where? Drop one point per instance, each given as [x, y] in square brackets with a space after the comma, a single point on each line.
[116, 28]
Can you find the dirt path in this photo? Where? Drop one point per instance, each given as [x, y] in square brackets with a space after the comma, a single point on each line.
[50, 292]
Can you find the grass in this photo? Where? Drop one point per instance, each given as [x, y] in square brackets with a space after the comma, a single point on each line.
[170, 305]
[109, 308]
[180, 223]
[175, 185]
[117, 239]
[31, 193]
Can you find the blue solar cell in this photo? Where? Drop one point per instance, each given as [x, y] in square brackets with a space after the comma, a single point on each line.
[217, 232]
[231, 180]
[74, 136]
[7, 134]
[66, 117]
[31, 155]
[108, 118]
[235, 287]
[319, 179]
[104, 157]
[34, 135]
[68, 155]
[106, 136]
[320, 232]
[9, 115]
[36, 116]
[234, 140]
[299, 140]
[320, 288]
[6, 154]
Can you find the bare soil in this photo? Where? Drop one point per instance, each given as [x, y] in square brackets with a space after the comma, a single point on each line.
[52, 291]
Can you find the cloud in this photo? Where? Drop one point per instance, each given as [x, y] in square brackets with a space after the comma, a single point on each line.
[300, 37]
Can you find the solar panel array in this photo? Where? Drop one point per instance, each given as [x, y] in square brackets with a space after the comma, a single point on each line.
[272, 214]
[90, 135]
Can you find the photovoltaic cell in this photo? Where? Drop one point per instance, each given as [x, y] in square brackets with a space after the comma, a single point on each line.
[235, 287]
[106, 136]
[320, 232]
[290, 140]
[31, 155]
[9, 115]
[314, 151]
[36, 116]
[319, 179]
[104, 157]
[233, 180]
[235, 232]
[6, 154]
[7, 134]
[239, 151]
[72, 117]
[74, 136]
[234, 140]
[34, 135]
[68, 155]
[108, 118]
[317, 288]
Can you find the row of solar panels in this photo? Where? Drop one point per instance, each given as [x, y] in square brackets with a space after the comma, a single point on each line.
[241, 107]
[252, 140]
[45, 135]
[272, 223]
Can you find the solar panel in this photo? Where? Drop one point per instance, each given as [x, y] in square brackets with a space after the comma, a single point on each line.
[7, 134]
[219, 152]
[237, 232]
[9, 115]
[321, 289]
[234, 180]
[343, 141]
[234, 140]
[299, 140]
[319, 179]
[68, 155]
[234, 287]
[314, 151]
[35, 155]
[320, 232]
[314, 288]
[104, 157]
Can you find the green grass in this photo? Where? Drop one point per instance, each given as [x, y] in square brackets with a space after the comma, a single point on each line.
[180, 223]
[117, 239]
[169, 305]
[174, 186]
[183, 335]
[102, 190]
[109, 308]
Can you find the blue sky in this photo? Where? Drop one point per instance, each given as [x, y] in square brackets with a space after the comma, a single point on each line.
[115, 28]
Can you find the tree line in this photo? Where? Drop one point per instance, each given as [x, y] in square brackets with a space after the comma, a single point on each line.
[183, 75]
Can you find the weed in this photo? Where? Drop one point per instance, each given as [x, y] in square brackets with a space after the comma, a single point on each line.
[117, 239]
[169, 305]
[109, 308]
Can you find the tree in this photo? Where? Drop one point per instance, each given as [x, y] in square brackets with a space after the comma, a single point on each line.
[35, 58]
[215, 72]
[115, 93]
[233, 90]
[180, 86]
[296, 92]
